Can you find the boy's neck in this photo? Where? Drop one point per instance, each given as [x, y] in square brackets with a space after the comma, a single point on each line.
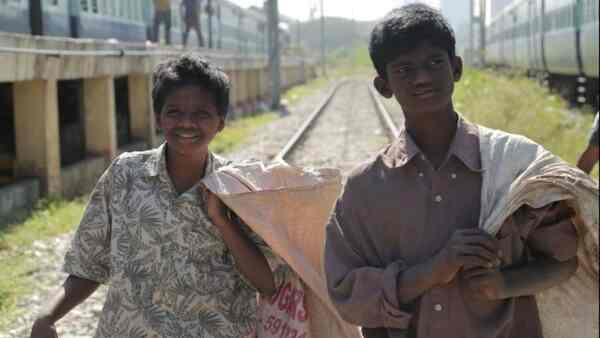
[185, 171]
[433, 133]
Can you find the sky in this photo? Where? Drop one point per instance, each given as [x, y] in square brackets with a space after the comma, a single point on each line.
[362, 10]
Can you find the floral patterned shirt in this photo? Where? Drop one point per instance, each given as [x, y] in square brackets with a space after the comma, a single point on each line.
[169, 271]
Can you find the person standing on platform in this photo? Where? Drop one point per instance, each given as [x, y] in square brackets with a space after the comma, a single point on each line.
[162, 14]
[589, 158]
[190, 13]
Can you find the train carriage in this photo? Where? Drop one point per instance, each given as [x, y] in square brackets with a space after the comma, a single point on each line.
[589, 38]
[14, 16]
[560, 38]
[556, 38]
[110, 19]
[234, 28]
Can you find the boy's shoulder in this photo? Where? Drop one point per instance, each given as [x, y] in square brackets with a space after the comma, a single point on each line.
[135, 161]
[367, 172]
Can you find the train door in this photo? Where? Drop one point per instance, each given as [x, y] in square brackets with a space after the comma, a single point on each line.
[74, 8]
[36, 18]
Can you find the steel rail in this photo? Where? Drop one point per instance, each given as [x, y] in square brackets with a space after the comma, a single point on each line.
[384, 115]
[308, 123]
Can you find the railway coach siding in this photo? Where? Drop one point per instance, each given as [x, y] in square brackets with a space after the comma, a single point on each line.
[62, 120]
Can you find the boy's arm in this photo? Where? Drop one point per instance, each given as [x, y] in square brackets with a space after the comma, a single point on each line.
[469, 247]
[373, 296]
[249, 260]
[74, 291]
[554, 247]
[589, 158]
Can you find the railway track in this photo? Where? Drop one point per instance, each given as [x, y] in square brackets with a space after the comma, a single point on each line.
[350, 125]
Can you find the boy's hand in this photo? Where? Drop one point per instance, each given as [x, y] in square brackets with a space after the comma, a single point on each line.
[43, 328]
[488, 284]
[470, 248]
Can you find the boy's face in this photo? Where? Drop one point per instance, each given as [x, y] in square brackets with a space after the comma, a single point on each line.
[190, 120]
[422, 79]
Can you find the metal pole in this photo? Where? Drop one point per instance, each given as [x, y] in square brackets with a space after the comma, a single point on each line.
[210, 12]
[482, 30]
[323, 61]
[274, 55]
[471, 50]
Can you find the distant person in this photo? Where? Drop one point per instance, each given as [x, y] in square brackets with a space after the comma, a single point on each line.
[405, 256]
[176, 262]
[190, 13]
[162, 15]
[589, 158]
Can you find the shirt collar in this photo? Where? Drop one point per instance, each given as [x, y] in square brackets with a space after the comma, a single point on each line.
[156, 164]
[465, 146]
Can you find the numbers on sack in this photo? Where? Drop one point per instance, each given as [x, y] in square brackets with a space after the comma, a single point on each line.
[278, 328]
[291, 301]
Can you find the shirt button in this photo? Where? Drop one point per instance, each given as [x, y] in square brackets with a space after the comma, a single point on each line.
[439, 198]
[453, 176]
[421, 175]
[438, 307]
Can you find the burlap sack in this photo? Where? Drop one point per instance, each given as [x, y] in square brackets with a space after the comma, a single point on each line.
[289, 208]
[519, 172]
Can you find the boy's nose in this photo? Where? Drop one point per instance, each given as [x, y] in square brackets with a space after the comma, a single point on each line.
[186, 119]
[422, 76]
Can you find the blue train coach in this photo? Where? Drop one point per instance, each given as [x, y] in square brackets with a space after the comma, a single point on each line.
[98, 19]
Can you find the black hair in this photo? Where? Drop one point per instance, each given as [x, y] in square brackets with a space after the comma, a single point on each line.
[186, 70]
[404, 29]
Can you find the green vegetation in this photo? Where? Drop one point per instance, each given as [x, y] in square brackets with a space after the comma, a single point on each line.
[520, 105]
[237, 131]
[50, 218]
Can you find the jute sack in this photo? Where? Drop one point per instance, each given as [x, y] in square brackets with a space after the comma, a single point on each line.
[520, 172]
[289, 208]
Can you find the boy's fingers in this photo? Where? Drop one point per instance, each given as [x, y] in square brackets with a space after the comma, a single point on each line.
[475, 272]
[475, 261]
[472, 250]
[483, 241]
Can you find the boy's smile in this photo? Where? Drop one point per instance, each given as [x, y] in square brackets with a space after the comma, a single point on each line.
[190, 120]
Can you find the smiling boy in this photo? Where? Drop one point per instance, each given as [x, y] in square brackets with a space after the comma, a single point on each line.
[176, 265]
[404, 255]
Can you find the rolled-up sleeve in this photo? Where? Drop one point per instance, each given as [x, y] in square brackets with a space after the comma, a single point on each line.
[554, 234]
[363, 295]
[88, 256]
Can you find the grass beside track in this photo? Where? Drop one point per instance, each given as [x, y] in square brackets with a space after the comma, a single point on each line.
[520, 105]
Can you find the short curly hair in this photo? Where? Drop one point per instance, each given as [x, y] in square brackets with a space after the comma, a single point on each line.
[186, 70]
[404, 29]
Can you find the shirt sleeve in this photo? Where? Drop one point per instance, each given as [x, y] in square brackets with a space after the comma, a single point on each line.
[89, 254]
[553, 233]
[364, 295]
[594, 137]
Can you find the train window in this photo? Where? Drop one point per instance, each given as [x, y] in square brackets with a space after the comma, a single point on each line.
[84, 5]
[94, 6]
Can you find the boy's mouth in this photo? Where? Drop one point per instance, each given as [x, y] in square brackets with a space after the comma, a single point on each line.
[187, 136]
[425, 93]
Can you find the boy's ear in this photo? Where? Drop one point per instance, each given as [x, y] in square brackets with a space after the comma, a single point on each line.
[383, 87]
[221, 124]
[457, 68]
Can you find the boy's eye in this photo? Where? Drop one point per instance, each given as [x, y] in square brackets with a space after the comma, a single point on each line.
[404, 70]
[436, 63]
